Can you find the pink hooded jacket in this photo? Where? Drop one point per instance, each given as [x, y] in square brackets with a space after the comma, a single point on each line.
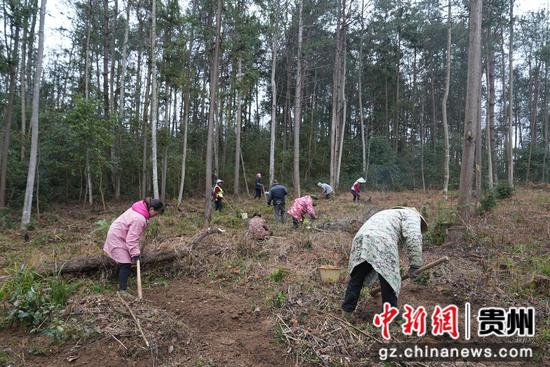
[122, 241]
[300, 207]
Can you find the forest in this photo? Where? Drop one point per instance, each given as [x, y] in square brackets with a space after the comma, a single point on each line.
[305, 92]
[441, 105]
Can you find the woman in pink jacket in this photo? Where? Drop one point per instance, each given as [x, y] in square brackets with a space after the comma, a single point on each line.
[300, 207]
[122, 244]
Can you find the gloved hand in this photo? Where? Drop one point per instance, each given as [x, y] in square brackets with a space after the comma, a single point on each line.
[412, 272]
[136, 258]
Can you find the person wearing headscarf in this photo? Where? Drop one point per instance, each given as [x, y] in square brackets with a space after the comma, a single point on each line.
[300, 208]
[327, 189]
[375, 253]
[356, 189]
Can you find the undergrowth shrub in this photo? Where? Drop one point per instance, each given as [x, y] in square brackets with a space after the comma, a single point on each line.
[278, 275]
[503, 191]
[36, 302]
[488, 202]
[443, 218]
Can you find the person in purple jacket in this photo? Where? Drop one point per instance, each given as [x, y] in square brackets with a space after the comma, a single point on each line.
[122, 243]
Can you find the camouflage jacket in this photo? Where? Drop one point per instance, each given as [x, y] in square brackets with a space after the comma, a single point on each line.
[377, 242]
[257, 229]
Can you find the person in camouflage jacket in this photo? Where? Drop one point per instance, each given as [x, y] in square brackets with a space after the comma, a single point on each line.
[375, 253]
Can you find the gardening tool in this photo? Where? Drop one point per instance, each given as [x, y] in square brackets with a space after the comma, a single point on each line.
[138, 268]
[376, 290]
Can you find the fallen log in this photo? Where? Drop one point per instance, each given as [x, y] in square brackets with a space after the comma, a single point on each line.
[94, 263]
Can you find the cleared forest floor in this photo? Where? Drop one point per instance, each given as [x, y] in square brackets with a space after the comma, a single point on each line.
[234, 302]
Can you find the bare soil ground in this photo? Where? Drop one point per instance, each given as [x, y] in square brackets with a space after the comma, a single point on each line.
[235, 302]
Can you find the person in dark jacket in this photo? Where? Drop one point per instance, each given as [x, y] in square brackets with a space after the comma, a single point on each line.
[277, 197]
[259, 187]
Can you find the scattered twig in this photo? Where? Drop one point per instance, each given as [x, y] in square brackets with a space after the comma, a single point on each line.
[354, 327]
[135, 319]
[114, 337]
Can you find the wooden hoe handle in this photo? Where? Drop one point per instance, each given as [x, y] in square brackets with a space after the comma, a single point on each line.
[376, 290]
[138, 268]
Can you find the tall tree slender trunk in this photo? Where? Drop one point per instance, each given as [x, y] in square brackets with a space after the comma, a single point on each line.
[471, 111]
[360, 93]
[27, 206]
[211, 113]
[478, 151]
[121, 96]
[545, 123]
[87, 50]
[298, 104]
[274, 47]
[154, 99]
[106, 59]
[23, 77]
[489, 116]
[146, 117]
[444, 105]
[533, 119]
[8, 112]
[422, 147]
[510, 100]
[184, 144]
[338, 97]
[185, 117]
[238, 129]
[491, 143]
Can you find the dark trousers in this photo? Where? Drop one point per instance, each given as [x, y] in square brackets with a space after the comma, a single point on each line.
[279, 212]
[355, 285]
[258, 193]
[355, 195]
[295, 223]
[123, 272]
[218, 204]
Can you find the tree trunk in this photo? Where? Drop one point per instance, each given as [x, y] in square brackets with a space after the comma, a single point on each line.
[444, 105]
[273, 107]
[93, 263]
[154, 99]
[238, 129]
[471, 111]
[338, 97]
[533, 122]
[106, 59]
[23, 96]
[27, 206]
[184, 148]
[87, 51]
[13, 62]
[89, 179]
[298, 105]
[491, 144]
[211, 113]
[510, 100]
[121, 97]
[545, 123]
[360, 93]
